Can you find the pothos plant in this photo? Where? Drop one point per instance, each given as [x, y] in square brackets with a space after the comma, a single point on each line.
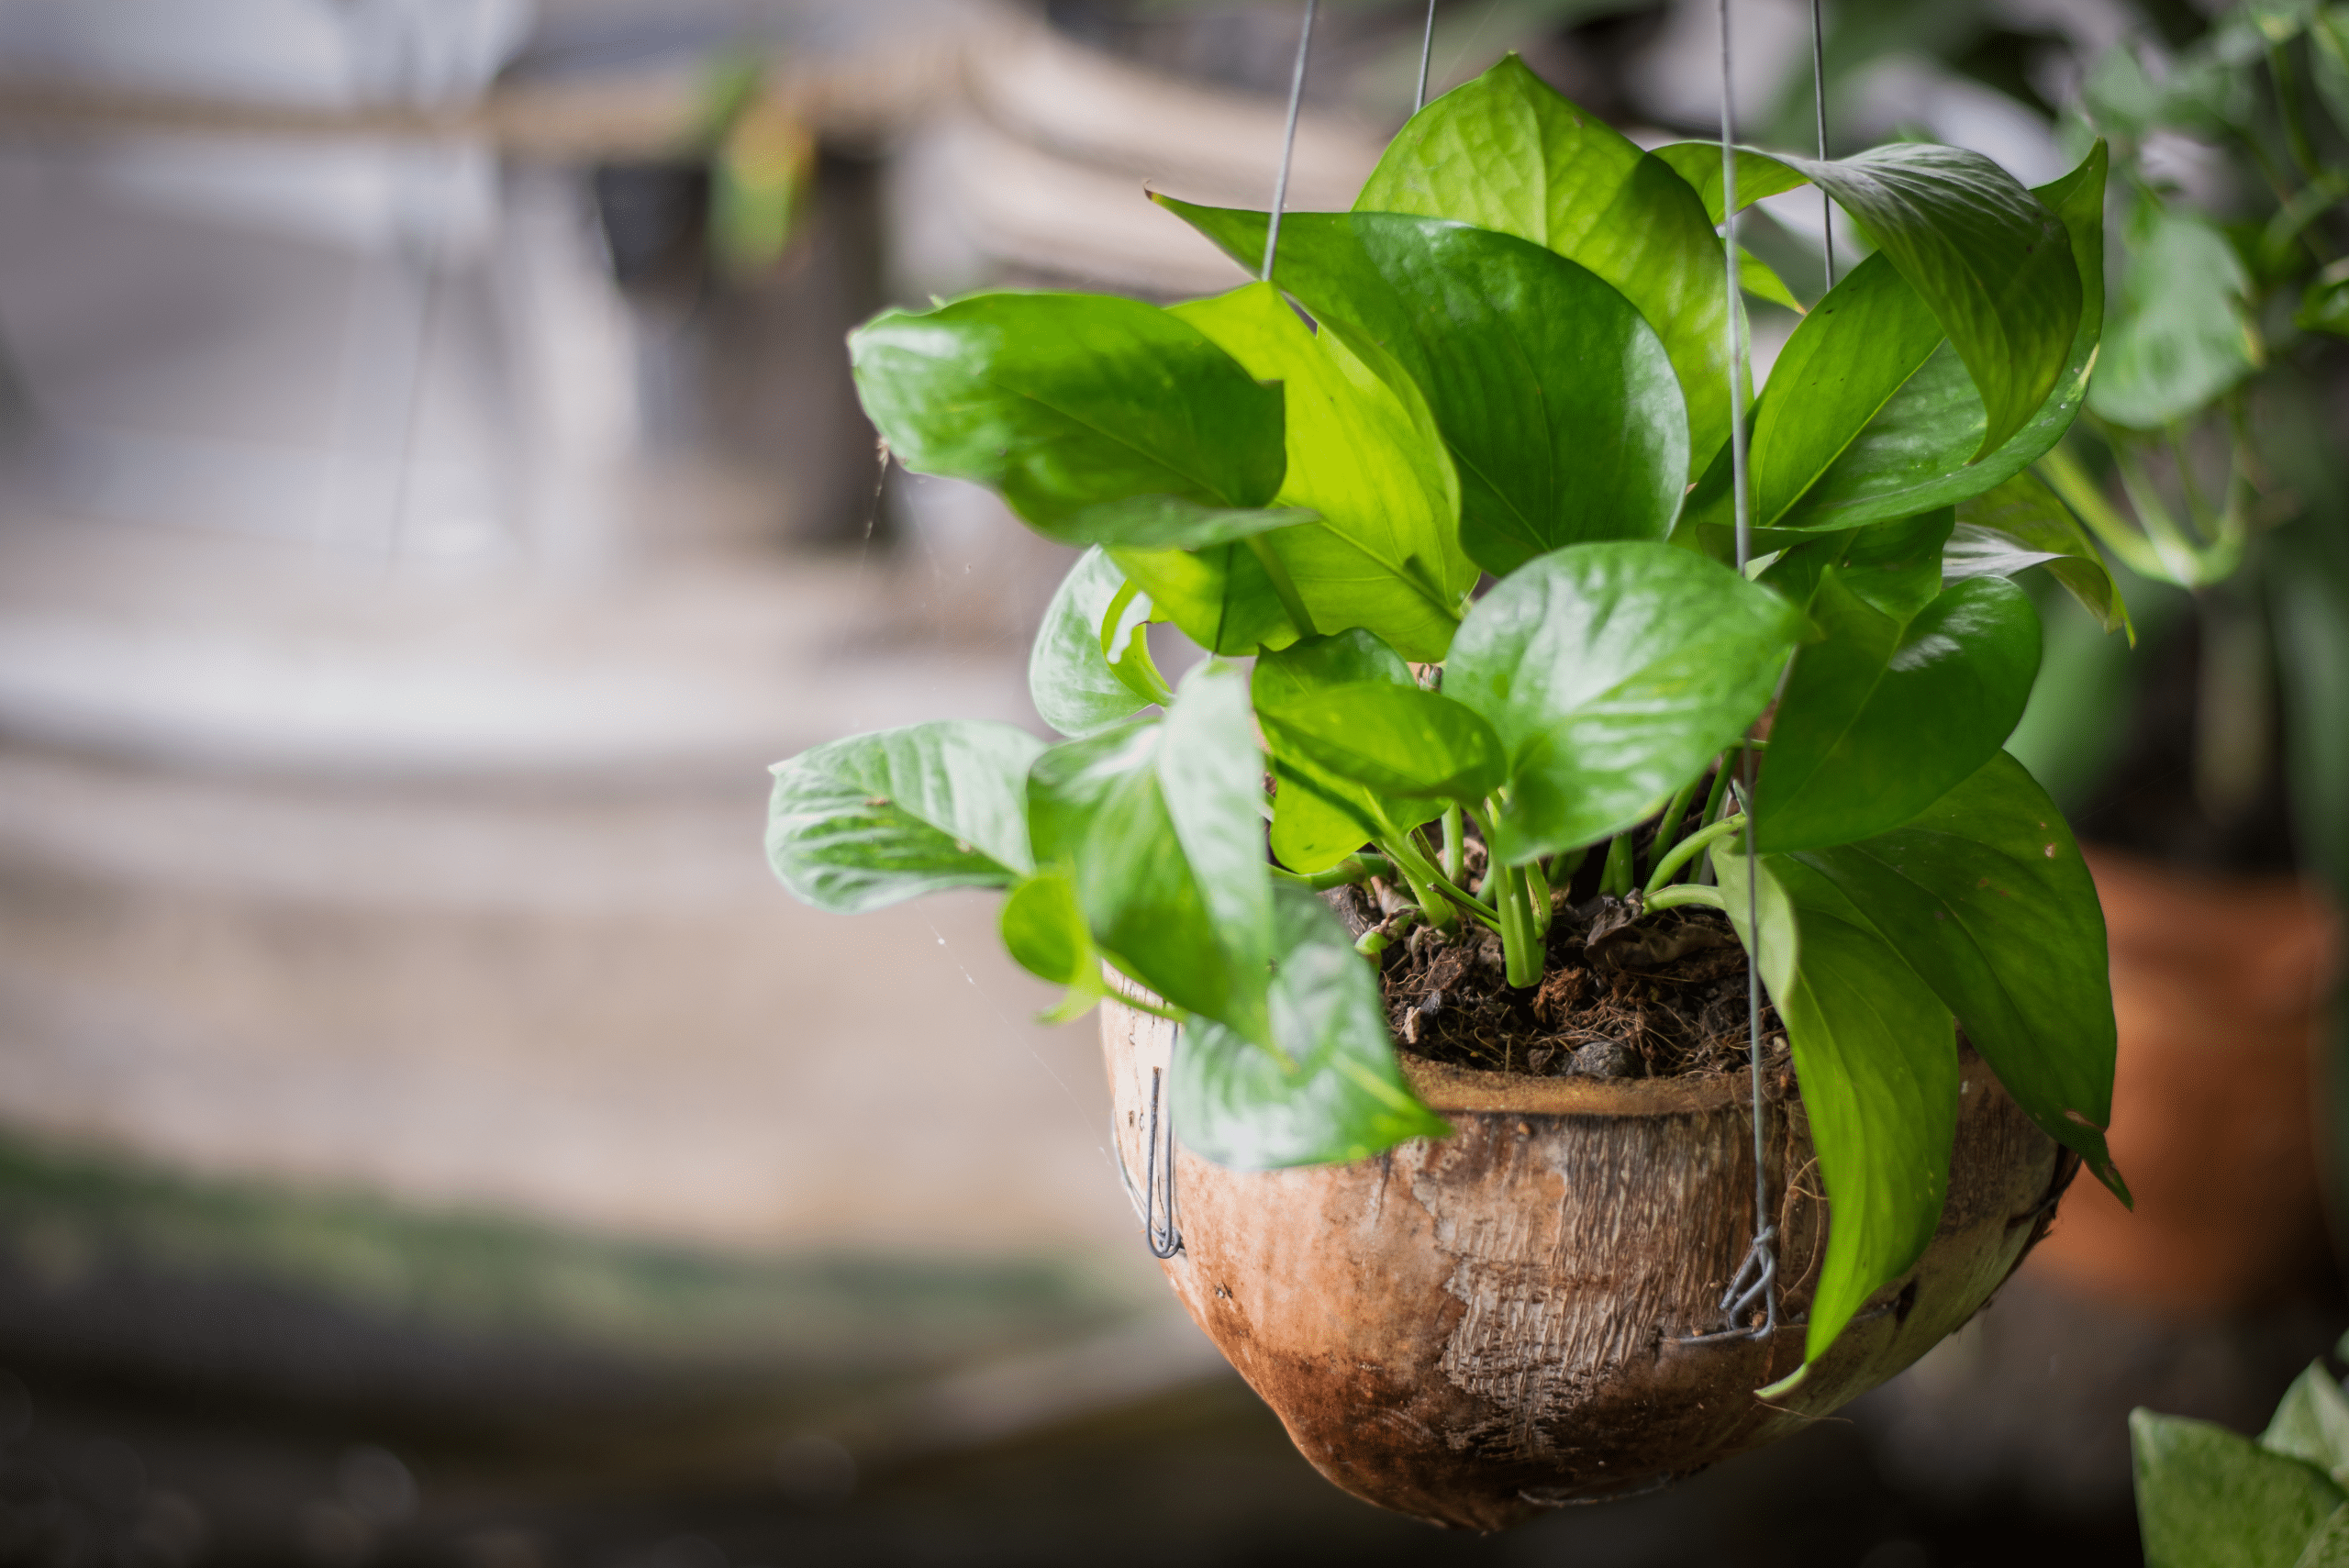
[1512, 360]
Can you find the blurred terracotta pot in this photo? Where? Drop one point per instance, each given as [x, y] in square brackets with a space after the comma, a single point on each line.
[2219, 985]
[1473, 1328]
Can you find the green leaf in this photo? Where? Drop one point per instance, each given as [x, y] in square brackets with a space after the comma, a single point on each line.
[2329, 54]
[1507, 154]
[1222, 598]
[1156, 824]
[2311, 1424]
[1880, 719]
[1699, 163]
[1319, 818]
[1368, 461]
[1070, 678]
[1392, 739]
[1757, 278]
[2329, 1547]
[2020, 525]
[1044, 928]
[2207, 1498]
[1842, 366]
[865, 822]
[2178, 338]
[1919, 450]
[1894, 567]
[1876, 1061]
[1076, 406]
[1988, 257]
[1612, 673]
[1984, 892]
[1333, 1091]
[1557, 402]
[2324, 307]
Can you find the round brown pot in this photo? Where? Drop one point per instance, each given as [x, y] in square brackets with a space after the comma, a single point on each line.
[2219, 985]
[1470, 1329]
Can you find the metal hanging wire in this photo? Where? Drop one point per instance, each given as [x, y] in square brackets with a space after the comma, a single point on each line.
[1427, 49]
[1819, 109]
[1153, 1201]
[1288, 140]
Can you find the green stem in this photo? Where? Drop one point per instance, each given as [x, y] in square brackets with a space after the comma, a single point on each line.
[1537, 893]
[1668, 827]
[1353, 868]
[1423, 879]
[1616, 880]
[1381, 937]
[1155, 1009]
[1455, 844]
[1284, 588]
[2064, 471]
[1687, 851]
[1521, 948]
[1713, 796]
[2287, 105]
[1687, 892]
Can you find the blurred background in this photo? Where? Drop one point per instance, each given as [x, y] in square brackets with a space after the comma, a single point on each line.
[430, 493]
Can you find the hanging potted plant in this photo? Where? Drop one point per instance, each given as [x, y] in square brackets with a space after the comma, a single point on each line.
[1536, 832]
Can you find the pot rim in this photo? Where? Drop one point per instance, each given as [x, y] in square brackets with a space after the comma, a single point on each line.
[1449, 1089]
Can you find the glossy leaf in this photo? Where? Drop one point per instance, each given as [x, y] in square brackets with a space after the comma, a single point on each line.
[1386, 553]
[1983, 894]
[1156, 824]
[1507, 152]
[1100, 420]
[1881, 718]
[1612, 673]
[1757, 278]
[1919, 450]
[1070, 678]
[2178, 337]
[1392, 739]
[865, 822]
[1758, 174]
[2207, 1497]
[1319, 818]
[2312, 1423]
[1557, 400]
[1877, 1059]
[1044, 930]
[2020, 525]
[1333, 1092]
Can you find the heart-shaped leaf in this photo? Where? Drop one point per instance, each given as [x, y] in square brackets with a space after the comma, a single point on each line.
[1557, 402]
[1101, 420]
[1880, 719]
[1876, 1061]
[2020, 525]
[2312, 1423]
[1758, 174]
[1507, 152]
[1319, 817]
[1331, 1091]
[1386, 553]
[868, 821]
[1070, 678]
[1983, 894]
[2208, 1495]
[1612, 673]
[1223, 599]
[2178, 337]
[1896, 568]
[1156, 824]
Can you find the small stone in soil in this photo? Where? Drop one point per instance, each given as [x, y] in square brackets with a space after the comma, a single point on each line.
[1605, 1059]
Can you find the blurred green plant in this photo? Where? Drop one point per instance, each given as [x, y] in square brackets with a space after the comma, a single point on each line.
[2207, 1498]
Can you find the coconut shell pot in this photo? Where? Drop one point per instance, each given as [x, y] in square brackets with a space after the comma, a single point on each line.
[1474, 1328]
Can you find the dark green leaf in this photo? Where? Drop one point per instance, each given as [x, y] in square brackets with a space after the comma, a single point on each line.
[1070, 679]
[1985, 894]
[2329, 1547]
[1320, 818]
[2209, 1498]
[1894, 567]
[1043, 929]
[2020, 525]
[1557, 402]
[2311, 1424]
[2324, 307]
[1918, 453]
[1612, 673]
[1333, 1092]
[1880, 719]
[1392, 739]
[1070, 403]
[1366, 459]
[873, 819]
[1876, 1061]
[1505, 152]
[2178, 337]
[1156, 824]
